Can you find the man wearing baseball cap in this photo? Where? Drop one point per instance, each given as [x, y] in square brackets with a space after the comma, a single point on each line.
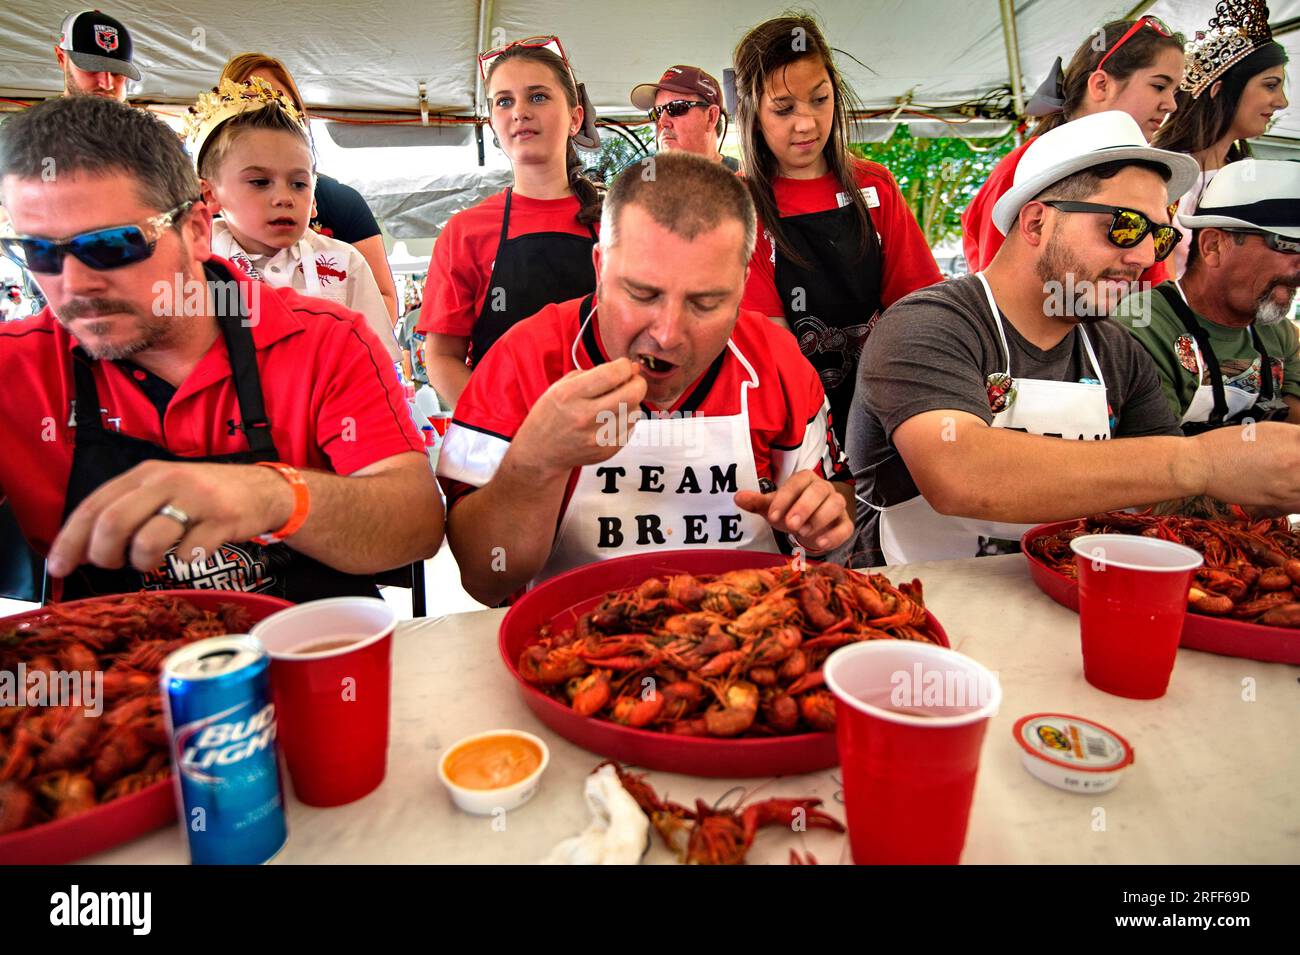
[1219, 336]
[94, 52]
[985, 404]
[686, 106]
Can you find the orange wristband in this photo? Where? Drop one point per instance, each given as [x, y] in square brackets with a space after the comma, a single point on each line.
[301, 503]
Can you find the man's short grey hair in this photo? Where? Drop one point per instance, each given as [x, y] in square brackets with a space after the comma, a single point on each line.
[89, 134]
[686, 194]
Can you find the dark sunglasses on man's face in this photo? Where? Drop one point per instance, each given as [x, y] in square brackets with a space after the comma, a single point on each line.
[1278, 243]
[1127, 227]
[102, 249]
[675, 109]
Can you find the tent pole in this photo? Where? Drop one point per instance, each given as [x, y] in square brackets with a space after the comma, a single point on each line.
[1012, 42]
[485, 10]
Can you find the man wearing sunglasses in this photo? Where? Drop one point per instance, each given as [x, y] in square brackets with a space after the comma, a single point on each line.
[1219, 336]
[168, 421]
[95, 52]
[686, 107]
[985, 404]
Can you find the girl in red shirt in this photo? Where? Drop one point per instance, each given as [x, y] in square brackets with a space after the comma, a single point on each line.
[506, 258]
[837, 243]
[1136, 69]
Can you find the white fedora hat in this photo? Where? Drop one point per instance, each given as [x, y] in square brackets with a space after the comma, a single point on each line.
[1081, 144]
[1251, 194]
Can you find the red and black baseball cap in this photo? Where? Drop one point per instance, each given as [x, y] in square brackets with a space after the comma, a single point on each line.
[690, 80]
[98, 43]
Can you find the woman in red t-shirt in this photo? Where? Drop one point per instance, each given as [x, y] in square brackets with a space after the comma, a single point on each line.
[1136, 69]
[837, 243]
[506, 258]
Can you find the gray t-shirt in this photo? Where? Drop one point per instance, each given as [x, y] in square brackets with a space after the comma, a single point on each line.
[935, 350]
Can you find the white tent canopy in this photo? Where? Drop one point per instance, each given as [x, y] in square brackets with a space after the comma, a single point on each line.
[375, 57]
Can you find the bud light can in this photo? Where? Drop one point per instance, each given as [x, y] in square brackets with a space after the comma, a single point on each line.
[217, 696]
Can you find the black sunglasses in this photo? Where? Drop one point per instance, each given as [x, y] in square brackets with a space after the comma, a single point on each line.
[1278, 243]
[101, 249]
[678, 107]
[1128, 227]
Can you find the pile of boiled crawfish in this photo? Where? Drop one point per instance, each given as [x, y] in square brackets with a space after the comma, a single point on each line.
[722, 655]
[1251, 570]
[715, 836]
[57, 761]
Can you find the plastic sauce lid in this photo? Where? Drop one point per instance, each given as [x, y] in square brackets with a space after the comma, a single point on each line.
[1072, 753]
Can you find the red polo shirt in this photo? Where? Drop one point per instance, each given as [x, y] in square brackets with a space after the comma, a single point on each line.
[332, 398]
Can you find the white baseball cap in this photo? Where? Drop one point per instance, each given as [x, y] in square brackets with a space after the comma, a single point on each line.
[1081, 144]
[1251, 194]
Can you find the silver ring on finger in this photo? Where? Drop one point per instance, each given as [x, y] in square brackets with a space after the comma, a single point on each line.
[176, 514]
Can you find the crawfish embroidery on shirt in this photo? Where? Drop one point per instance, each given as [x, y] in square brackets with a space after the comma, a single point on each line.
[327, 267]
[1001, 389]
[246, 265]
[1185, 349]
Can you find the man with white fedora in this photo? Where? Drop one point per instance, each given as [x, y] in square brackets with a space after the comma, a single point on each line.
[985, 404]
[1219, 336]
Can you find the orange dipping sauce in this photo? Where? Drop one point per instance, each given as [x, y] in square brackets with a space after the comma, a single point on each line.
[493, 762]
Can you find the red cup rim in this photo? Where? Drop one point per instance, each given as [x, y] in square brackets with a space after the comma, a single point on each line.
[1074, 767]
[312, 606]
[906, 719]
[1194, 559]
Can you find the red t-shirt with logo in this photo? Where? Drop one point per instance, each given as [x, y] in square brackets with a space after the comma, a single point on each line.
[461, 266]
[331, 397]
[789, 427]
[909, 263]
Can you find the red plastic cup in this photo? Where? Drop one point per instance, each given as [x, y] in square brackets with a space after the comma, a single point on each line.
[440, 422]
[331, 699]
[1132, 603]
[909, 721]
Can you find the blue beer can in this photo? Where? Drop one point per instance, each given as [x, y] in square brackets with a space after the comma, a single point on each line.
[225, 765]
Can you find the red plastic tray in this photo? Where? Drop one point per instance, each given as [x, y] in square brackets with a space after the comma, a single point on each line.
[1231, 638]
[124, 819]
[562, 599]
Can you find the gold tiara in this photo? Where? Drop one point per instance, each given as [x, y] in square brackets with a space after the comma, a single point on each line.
[227, 101]
[1237, 29]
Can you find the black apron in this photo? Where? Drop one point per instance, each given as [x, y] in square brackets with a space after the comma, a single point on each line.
[831, 303]
[100, 455]
[1219, 417]
[530, 272]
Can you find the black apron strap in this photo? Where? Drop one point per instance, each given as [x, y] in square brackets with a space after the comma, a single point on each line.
[85, 405]
[505, 219]
[248, 382]
[1265, 365]
[1193, 327]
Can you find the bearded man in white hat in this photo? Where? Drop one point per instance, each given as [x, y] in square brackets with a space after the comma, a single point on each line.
[984, 405]
[1219, 336]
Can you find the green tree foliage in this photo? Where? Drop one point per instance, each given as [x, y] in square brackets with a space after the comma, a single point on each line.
[938, 177]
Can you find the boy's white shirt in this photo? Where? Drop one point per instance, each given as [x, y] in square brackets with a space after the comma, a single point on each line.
[315, 265]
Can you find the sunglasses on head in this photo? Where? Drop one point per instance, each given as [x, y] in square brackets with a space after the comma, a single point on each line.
[1154, 23]
[1128, 227]
[102, 249]
[551, 43]
[675, 109]
[1278, 243]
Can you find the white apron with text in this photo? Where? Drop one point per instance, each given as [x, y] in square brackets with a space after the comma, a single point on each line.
[671, 486]
[913, 531]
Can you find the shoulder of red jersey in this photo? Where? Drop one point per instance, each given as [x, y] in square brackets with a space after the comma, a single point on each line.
[870, 173]
[478, 216]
